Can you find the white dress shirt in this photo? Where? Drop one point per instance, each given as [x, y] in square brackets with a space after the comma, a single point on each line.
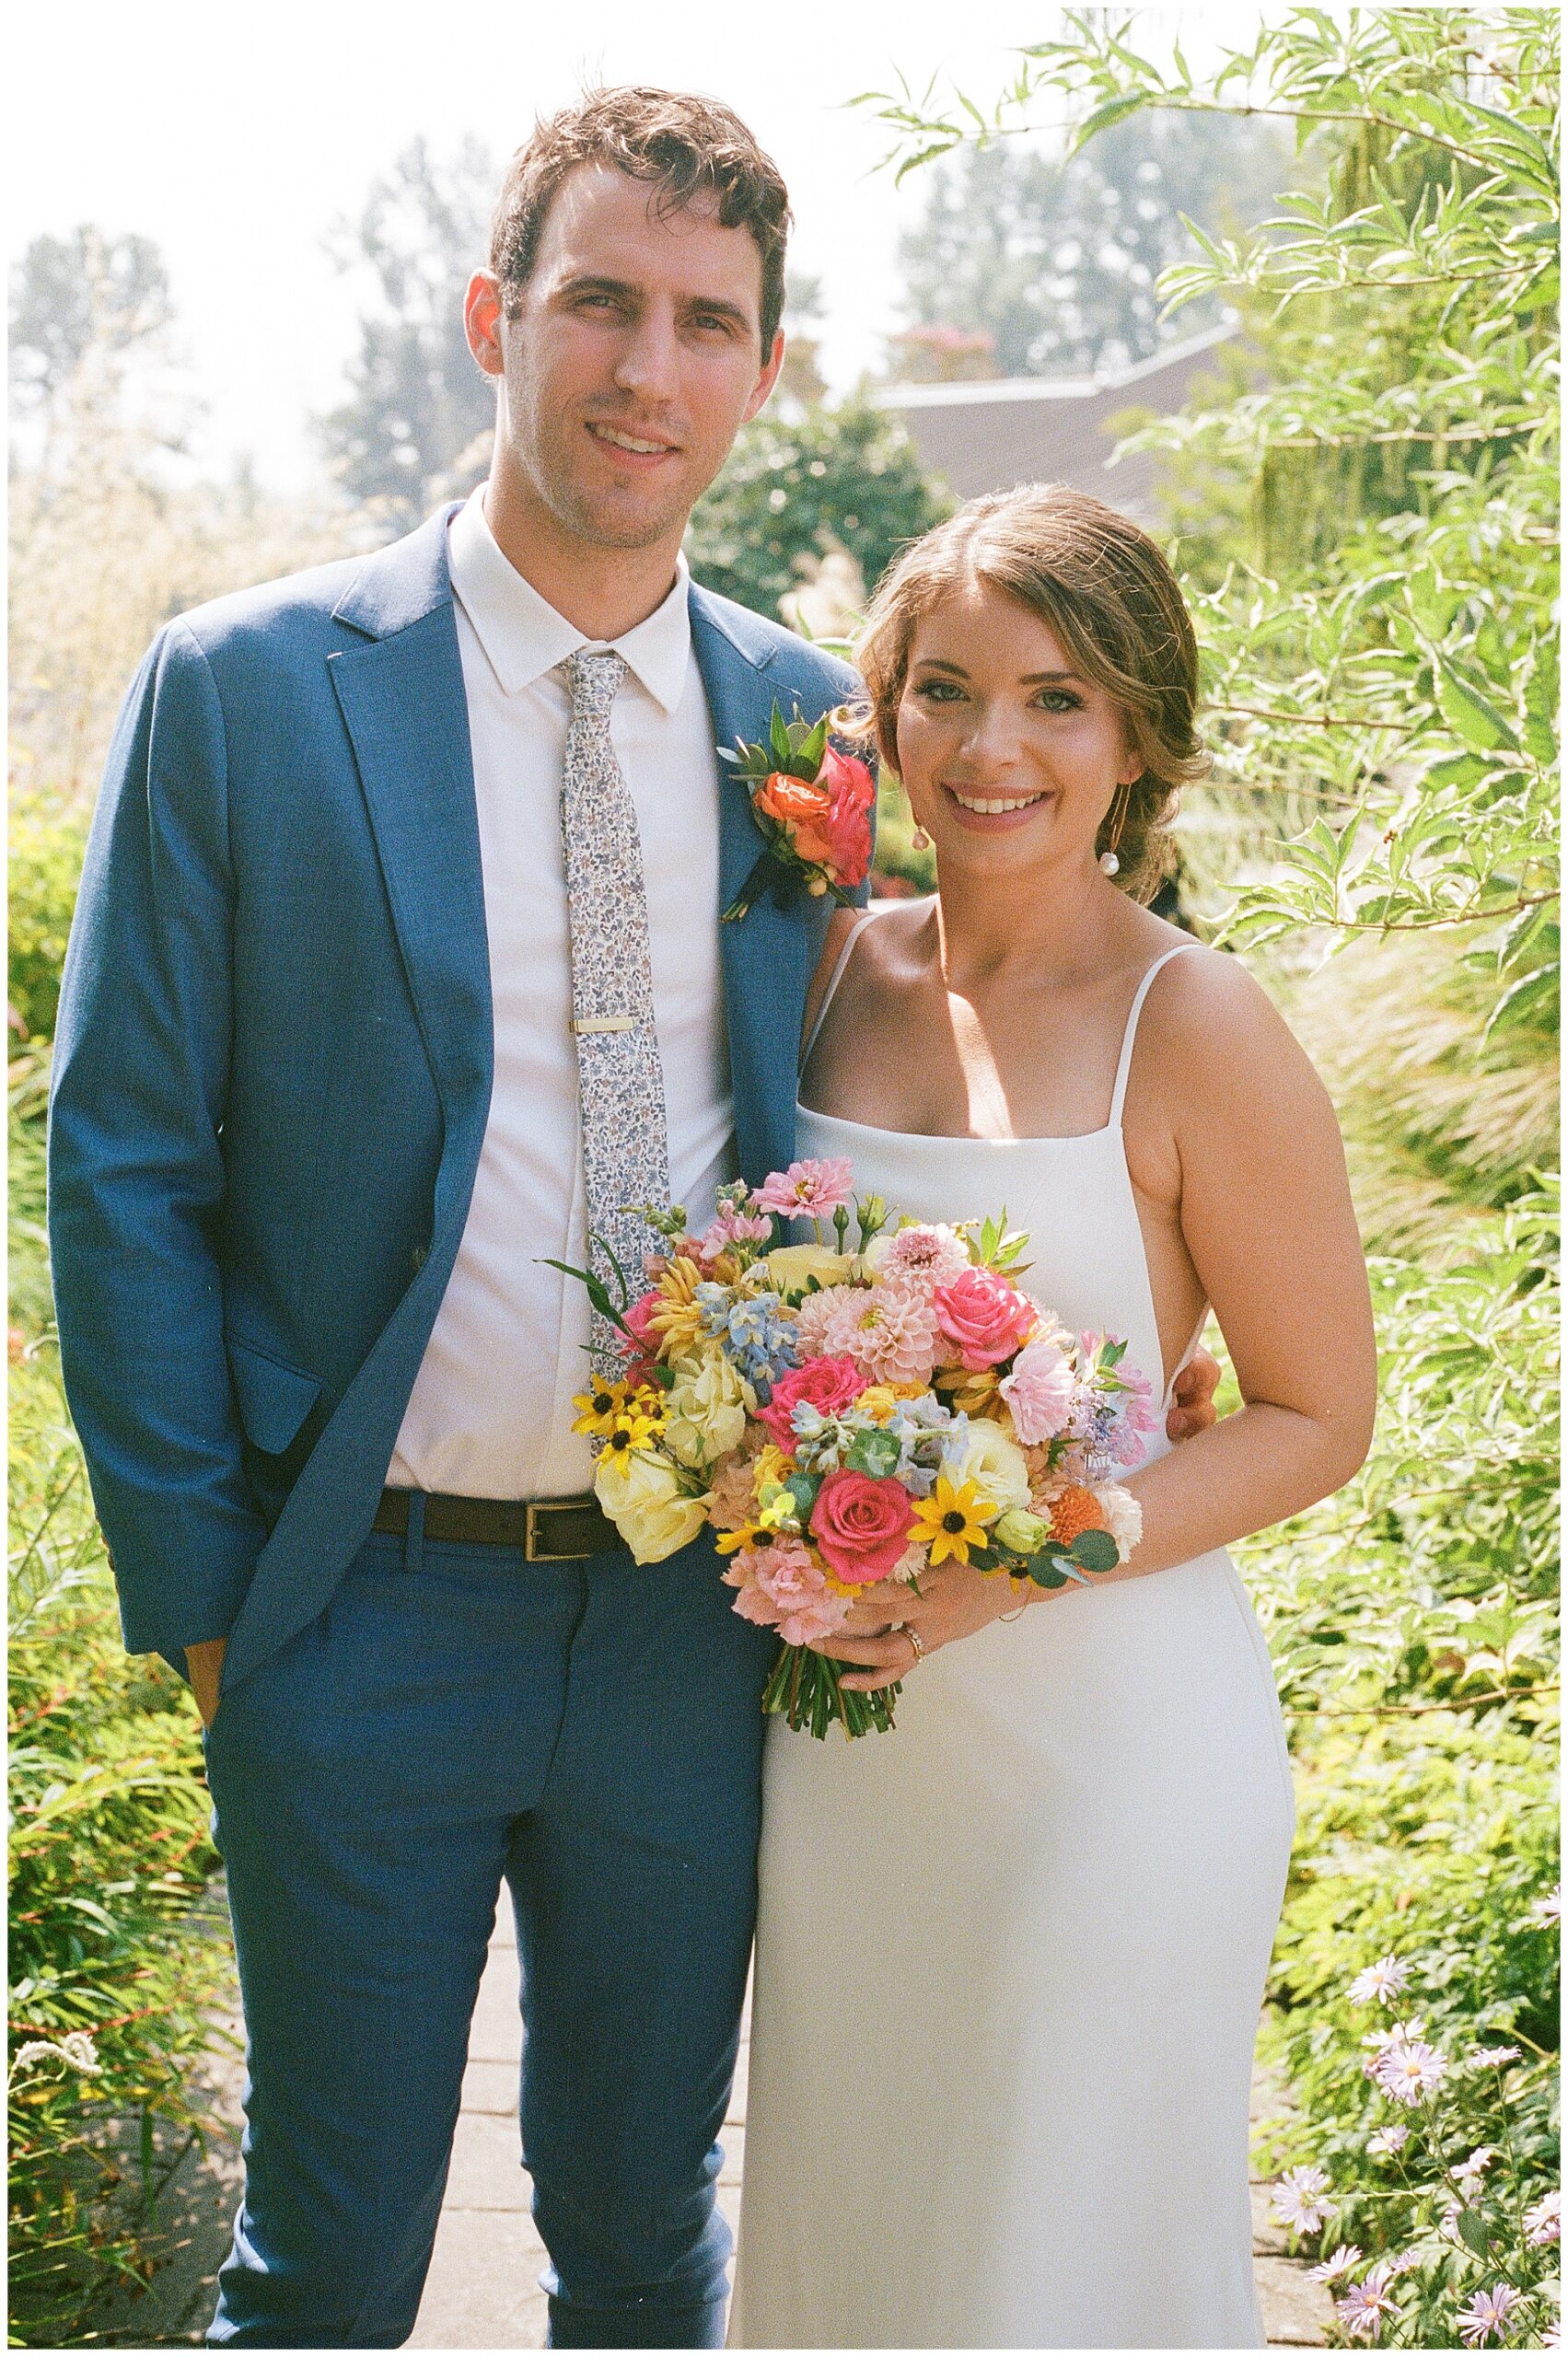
[491, 1414]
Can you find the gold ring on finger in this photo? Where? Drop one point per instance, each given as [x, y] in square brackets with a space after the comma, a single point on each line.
[916, 1641]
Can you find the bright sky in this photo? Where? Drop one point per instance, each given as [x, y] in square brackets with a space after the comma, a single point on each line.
[236, 138]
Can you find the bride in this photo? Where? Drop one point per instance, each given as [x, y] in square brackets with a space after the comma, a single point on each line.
[1010, 1956]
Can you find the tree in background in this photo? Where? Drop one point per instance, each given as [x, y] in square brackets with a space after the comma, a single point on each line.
[69, 295]
[1376, 609]
[791, 490]
[1054, 261]
[420, 412]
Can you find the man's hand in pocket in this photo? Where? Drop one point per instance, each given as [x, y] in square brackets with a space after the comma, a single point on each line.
[205, 1666]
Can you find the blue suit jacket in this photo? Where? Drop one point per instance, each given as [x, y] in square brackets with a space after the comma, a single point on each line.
[274, 1063]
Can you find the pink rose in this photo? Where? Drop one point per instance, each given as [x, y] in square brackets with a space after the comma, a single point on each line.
[1040, 1391]
[783, 1587]
[847, 827]
[640, 1342]
[831, 1385]
[862, 1526]
[985, 1318]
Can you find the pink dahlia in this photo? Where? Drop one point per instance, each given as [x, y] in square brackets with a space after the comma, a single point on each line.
[784, 1587]
[892, 1334]
[824, 1324]
[921, 1257]
[807, 1189]
[732, 1227]
[1039, 1390]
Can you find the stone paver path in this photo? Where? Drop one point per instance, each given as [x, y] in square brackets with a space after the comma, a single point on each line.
[483, 2290]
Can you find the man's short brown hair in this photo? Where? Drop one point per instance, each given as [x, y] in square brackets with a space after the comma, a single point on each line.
[681, 144]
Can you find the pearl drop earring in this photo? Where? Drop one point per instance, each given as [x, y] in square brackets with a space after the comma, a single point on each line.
[921, 840]
[1110, 864]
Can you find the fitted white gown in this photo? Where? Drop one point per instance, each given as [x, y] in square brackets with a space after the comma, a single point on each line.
[1010, 1956]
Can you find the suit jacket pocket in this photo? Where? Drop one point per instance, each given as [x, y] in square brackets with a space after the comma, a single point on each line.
[274, 1398]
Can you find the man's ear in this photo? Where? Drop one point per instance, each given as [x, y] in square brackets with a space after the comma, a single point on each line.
[481, 321]
[767, 379]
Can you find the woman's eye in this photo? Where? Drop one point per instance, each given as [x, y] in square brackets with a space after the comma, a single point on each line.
[1060, 699]
[939, 691]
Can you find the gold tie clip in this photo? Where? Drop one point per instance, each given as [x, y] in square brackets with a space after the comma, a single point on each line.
[603, 1023]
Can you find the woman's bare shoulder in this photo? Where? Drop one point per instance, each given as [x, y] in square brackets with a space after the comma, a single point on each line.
[1210, 1032]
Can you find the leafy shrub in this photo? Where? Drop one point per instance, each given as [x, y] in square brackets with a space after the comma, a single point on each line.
[46, 865]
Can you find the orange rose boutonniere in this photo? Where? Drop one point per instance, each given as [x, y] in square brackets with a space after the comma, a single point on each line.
[812, 805]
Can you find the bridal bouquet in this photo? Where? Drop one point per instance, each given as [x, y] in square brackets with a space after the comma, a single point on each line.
[846, 1417]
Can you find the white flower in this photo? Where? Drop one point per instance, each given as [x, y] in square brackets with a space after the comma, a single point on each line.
[1347, 2256]
[1380, 1980]
[995, 1464]
[76, 2048]
[1544, 2224]
[1548, 1911]
[1407, 2069]
[1124, 1514]
[1389, 2140]
[1492, 2057]
[1297, 2200]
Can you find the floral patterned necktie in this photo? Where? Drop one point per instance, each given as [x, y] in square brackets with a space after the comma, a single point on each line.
[619, 1078]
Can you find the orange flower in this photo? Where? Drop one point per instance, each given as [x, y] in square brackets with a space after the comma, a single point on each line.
[1072, 1510]
[801, 808]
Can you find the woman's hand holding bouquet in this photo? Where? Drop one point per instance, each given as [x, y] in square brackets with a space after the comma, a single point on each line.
[849, 1421]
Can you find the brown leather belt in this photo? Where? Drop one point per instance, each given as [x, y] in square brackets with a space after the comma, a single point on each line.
[548, 1530]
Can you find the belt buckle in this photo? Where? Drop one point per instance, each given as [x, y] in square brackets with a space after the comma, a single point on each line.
[536, 1554]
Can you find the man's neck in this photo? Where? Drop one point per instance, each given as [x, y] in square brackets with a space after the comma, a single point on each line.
[603, 592]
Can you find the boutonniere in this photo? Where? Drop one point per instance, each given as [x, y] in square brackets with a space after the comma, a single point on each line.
[812, 805]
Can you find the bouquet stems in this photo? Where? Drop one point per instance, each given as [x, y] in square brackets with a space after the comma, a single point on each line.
[809, 1690]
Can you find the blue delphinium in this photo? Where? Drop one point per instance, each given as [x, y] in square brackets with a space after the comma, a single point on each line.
[757, 1335]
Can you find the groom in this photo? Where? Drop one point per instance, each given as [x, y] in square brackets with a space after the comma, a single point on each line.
[395, 970]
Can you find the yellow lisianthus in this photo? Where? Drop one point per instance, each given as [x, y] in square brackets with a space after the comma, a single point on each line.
[601, 1406]
[952, 1520]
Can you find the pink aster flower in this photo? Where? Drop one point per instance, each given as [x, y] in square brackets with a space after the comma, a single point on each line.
[1544, 2224]
[1548, 1911]
[1492, 2058]
[923, 1257]
[784, 1587]
[1364, 2306]
[807, 1189]
[1389, 2140]
[1039, 1390]
[1330, 2270]
[1380, 1982]
[1297, 2199]
[1409, 2068]
[1487, 2315]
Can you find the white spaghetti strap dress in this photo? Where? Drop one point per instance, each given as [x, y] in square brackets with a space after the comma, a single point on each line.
[1010, 1956]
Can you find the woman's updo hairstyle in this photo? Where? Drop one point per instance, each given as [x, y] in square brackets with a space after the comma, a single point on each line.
[1106, 592]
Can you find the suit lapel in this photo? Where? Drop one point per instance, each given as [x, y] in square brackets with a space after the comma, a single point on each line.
[403, 704]
[766, 956]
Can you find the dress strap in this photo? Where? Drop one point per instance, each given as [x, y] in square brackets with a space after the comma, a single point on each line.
[1119, 1093]
[834, 979]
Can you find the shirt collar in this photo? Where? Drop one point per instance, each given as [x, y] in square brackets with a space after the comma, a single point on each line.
[524, 637]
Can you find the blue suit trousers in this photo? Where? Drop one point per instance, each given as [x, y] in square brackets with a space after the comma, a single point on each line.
[589, 1734]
